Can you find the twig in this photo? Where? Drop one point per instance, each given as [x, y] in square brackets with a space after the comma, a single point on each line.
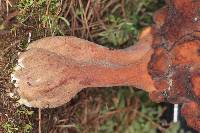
[98, 13]
[68, 10]
[0, 5]
[9, 3]
[123, 9]
[111, 113]
[39, 121]
[48, 4]
[7, 6]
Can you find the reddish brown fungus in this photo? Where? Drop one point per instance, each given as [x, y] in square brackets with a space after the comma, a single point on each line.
[165, 63]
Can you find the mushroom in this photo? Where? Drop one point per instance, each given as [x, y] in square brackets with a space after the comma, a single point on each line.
[165, 62]
[54, 69]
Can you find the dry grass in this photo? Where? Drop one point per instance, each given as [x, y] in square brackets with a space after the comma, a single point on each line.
[96, 110]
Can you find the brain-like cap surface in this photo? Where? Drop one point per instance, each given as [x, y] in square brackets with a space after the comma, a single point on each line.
[175, 64]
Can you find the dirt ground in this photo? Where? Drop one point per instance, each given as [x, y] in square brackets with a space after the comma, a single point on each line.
[92, 111]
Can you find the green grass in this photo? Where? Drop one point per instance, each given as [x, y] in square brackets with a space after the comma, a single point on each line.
[118, 109]
[10, 126]
[125, 28]
[43, 14]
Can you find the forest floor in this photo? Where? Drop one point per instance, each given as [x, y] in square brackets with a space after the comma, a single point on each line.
[115, 24]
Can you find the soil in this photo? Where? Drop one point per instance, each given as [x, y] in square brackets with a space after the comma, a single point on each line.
[85, 108]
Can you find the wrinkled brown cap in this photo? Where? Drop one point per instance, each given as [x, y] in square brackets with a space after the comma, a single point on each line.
[175, 63]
